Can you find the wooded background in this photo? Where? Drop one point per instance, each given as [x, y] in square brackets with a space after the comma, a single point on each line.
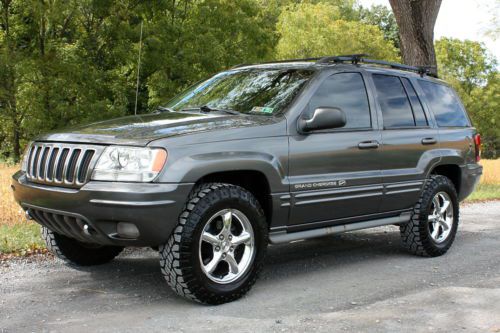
[66, 62]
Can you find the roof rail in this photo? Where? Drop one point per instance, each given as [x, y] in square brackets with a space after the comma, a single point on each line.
[316, 59]
[353, 58]
[281, 61]
[356, 59]
[359, 58]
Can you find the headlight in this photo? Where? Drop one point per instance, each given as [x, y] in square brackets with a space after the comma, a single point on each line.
[118, 163]
[24, 164]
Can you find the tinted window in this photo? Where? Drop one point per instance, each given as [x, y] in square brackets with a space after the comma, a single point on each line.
[394, 102]
[444, 104]
[418, 110]
[346, 91]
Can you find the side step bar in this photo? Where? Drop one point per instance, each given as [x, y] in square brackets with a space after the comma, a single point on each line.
[280, 237]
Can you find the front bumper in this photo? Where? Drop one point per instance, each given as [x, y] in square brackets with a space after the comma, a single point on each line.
[92, 213]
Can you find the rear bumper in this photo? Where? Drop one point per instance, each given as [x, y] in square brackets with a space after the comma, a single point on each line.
[153, 208]
[471, 173]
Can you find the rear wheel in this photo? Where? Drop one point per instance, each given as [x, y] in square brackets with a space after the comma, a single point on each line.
[433, 226]
[216, 251]
[78, 253]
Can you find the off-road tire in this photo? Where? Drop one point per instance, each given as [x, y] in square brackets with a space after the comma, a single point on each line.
[179, 259]
[77, 253]
[415, 234]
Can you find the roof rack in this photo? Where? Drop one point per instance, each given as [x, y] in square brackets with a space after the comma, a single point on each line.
[360, 58]
[356, 59]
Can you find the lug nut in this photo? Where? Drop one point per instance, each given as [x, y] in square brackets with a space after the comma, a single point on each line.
[223, 255]
[231, 249]
[221, 237]
[217, 248]
[230, 237]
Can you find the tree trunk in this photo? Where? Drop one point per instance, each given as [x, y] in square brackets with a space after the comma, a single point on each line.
[416, 20]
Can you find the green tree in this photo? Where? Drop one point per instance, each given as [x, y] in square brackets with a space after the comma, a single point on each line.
[382, 17]
[483, 107]
[214, 35]
[61, 67]
[309, 30]
[465, 61]
[68, 62]
[10, 58]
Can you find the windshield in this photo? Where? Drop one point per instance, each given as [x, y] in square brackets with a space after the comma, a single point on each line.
[258, 91]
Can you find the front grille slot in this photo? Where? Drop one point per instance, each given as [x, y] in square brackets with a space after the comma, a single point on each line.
[43, 160]
[51, 168]
[70, 173]
[83, 169]
[34, 173]
[60, 164]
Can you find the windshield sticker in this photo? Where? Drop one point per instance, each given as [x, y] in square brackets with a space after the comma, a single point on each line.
[261, 109]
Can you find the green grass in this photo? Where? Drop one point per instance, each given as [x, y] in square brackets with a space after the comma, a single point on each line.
[20, 238]
[485, 192]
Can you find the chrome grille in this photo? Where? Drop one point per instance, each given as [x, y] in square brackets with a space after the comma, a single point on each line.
[61, 164]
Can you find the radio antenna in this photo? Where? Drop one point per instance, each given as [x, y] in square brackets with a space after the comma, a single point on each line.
[138, 72]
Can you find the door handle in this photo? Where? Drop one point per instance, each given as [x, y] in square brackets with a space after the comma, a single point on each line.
[368, 145]
[429, 141]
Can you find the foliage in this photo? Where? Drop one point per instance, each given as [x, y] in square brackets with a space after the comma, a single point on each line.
[382, 17]
[465, 61]
[67, 62]
[309, 30]
[473, 73]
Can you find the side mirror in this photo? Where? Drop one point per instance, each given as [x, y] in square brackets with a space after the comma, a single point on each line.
[323, 118]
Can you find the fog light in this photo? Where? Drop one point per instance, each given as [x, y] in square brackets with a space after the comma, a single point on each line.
[127, 230]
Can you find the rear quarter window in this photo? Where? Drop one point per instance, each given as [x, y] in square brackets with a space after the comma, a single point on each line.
[445, 105]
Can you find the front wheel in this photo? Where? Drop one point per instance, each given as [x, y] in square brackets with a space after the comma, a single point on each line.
[433, 225]
[216, 251]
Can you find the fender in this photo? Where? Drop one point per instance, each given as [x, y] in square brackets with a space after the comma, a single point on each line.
[446, 156]
[188, 164]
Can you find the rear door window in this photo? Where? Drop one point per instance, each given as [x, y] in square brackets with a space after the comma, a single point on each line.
[445, 105]
[394, 102]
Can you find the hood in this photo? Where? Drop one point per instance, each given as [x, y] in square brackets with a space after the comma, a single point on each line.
[142, 129]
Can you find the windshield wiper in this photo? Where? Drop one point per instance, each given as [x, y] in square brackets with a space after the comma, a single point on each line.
[206, 108]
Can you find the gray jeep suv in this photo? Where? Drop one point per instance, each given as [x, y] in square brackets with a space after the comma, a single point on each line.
[257, 154]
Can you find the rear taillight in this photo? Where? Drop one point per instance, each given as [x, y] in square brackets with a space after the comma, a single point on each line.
[477, 144]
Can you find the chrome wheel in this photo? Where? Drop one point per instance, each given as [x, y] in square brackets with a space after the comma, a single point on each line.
[227, 246]
[441, 217]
